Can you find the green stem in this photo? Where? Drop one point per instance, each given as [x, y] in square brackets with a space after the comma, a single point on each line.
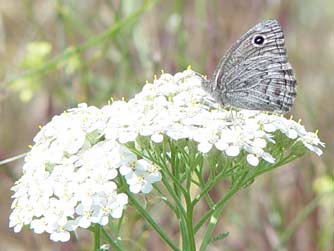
[162, 164]
[173, 192]
[269, 167]
[164, 199]
[216, 211]
[152, 222]
[207, 187]
[204, 189]
[174, 174]
[178, 210]
[97, 237]
[116, 231]
[191, 244]
[112, 242]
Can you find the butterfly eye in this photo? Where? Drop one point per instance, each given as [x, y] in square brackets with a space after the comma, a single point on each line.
[258, 40]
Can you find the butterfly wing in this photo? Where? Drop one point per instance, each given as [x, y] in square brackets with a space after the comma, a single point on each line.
[255, 74]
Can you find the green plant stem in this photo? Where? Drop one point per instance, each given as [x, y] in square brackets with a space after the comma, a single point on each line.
[163, 198]
[165, 181]
[97, 237]
[205, 191]
[174, 174]
[173, 190]
[216, 211]
[246, 178]
[161, 163]
[112, 242]
[178, 209]
[69, 52]
[267, 168]
[152, 222]
[191, 245]
[116, 230]
[207, 187]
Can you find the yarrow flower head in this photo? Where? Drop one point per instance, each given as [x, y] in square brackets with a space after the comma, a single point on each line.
[75, 173]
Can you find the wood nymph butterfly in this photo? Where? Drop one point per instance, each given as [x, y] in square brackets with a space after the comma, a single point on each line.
[254, 73]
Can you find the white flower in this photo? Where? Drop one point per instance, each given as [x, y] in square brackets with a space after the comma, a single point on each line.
[141, 175]
[311, 141]
[69, 170]
[59, 233]
[70, 176]
[111, 205]
[39, 225]
[157, 138]
[204, 146]
[16, 221]
[88, 213]
[105, 247]
[231, 141]
[128, 162]
[252, 159]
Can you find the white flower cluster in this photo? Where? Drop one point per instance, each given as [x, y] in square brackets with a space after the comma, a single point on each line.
[177, 107]
[71, 174]
[69, 178]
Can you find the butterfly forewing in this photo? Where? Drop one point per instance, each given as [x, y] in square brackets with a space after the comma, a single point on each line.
[254, 74]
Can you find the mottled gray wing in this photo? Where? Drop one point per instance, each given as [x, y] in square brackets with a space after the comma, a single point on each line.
[254, 74]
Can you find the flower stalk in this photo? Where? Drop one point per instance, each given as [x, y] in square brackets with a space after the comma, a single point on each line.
[97, 237]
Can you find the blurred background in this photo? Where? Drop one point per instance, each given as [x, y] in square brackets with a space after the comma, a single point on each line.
[56, 54]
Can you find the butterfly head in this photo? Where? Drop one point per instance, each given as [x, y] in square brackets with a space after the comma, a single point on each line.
[209, 86]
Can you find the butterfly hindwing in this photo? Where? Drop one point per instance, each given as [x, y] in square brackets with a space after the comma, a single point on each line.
[254, 74]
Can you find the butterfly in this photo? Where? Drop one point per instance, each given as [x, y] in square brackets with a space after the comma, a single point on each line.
[255, 74]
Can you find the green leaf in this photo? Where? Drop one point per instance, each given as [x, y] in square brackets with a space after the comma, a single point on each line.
[93, 137]
[219, 237]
